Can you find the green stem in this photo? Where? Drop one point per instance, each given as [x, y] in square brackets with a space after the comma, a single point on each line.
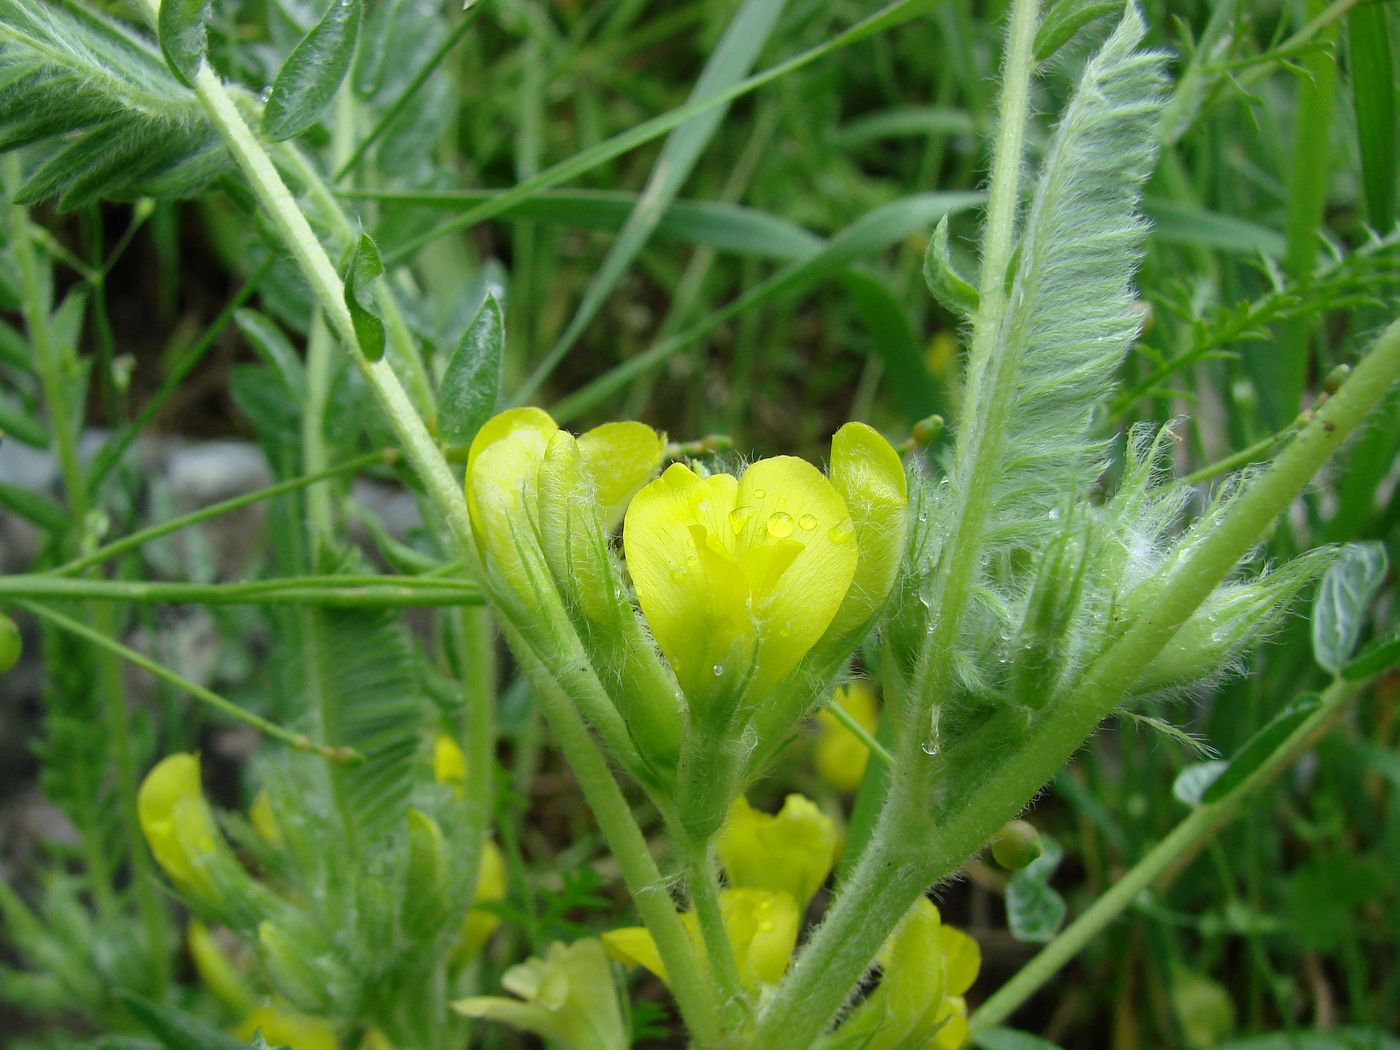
[339, 592]
[860, 733]
[214, 510]
[476, 648]
[690, 981]
[320, 511]
[702, 883]
[299, 741]
[1183, 841]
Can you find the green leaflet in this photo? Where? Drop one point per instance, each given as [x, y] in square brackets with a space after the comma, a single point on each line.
[1342, 603]
[182, 28]
[308, 80]
[471, 385]
[364, 267]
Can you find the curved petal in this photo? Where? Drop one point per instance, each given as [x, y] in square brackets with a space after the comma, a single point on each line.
[633, 946]
[790, 852]
[869, 474]
[762, 927]
[620, 458]
[501, 469]
[785, 501]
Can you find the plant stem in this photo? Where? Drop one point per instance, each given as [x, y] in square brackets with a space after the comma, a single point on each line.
[339, 592]
[1188, 836]
[299, 741]
[214, 510]
[702, 884]
[690, 981]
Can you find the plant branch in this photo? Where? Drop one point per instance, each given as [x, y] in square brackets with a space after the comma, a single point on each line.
[339, 592]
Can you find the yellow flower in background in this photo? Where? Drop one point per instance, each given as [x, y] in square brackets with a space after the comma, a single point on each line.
[761, 927]
[490, 887]
[839, 755]
[449, 764]
[567, 998]
[790, 852]
[926, 968]
[282, 1025]
[739, 577]
[264, 819]
[216, 970]
[178, 823]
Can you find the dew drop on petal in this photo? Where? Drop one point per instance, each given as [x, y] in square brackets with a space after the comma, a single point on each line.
[842, 532]
[780, 525]
[929, 746]
[808, 522]
[718, 669]
[739, 517]
[691, 561]
[759, 493]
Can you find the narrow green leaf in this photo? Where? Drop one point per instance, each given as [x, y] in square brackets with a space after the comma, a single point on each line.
[308, 80]
[274, 348]
[1174, 222]
[953, 291]
[1067, 18]
[1340, 610]
[886, 320]
[471, 385]
[1379, 654]
[33, 507]
[364, 268]
[15, 422]
[175, 1028]
[183, 30]
[1260, 746]
[1373, 97]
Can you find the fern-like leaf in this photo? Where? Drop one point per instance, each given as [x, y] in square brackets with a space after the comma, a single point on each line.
[1070, 316]
[95, 100]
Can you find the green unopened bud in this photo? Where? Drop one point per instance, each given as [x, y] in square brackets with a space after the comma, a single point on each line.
[426, 878]
[1016, 845]
[928, 430]
[571, 532]
[11, 644]
[288, 961]
[1334, 379]
[1050, 611]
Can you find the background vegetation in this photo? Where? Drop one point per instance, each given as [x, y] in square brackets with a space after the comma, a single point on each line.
[779, 294]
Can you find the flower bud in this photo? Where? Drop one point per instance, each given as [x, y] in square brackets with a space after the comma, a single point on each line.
[281, 1025]
[839, 755]
[791, 852]
[216, 970]
[490, 887]
[426, 877]
[1016, 845]
[1044, 636]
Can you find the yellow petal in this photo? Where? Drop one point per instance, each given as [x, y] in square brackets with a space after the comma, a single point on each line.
[177, 822]
[839, 755]
[501, 483]
[490, 886]
[216, 970]
[620, 458]
[281, 1025]
[962, 958]
[869, 474]
[264, 818]
[572, 534]
[762, 928]
[633, 946]
[786, 500]
[791, 852]
[449, 764]
[678, 542]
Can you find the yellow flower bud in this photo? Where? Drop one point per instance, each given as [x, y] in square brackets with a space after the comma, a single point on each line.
[567, 998]
[449, 764]
[178, 824]
[216, 970]
[738, 578]
[839, 755]
[790, 853]
[761, 926]
[281, 1025]
[264, 820]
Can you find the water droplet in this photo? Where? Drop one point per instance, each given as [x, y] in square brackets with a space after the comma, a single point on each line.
[759, 493]
[842, 532]
[678, 574]
[808, 522]
[691, 561]
[780, 525]
[929, 746]
[738, 518]
[718, 669]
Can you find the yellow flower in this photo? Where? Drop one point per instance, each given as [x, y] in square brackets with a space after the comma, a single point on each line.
[790, 853]
[264, 818]
[568, 998]
[919, 1002]
[503, 482]
[490, 887]
[449, 764]
[281, 1025]
[739, 578]
[761, 926]
[840, 755]
[178, 824]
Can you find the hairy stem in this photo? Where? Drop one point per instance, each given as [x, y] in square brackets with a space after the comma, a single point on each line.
[340, 592]
[702, 883]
